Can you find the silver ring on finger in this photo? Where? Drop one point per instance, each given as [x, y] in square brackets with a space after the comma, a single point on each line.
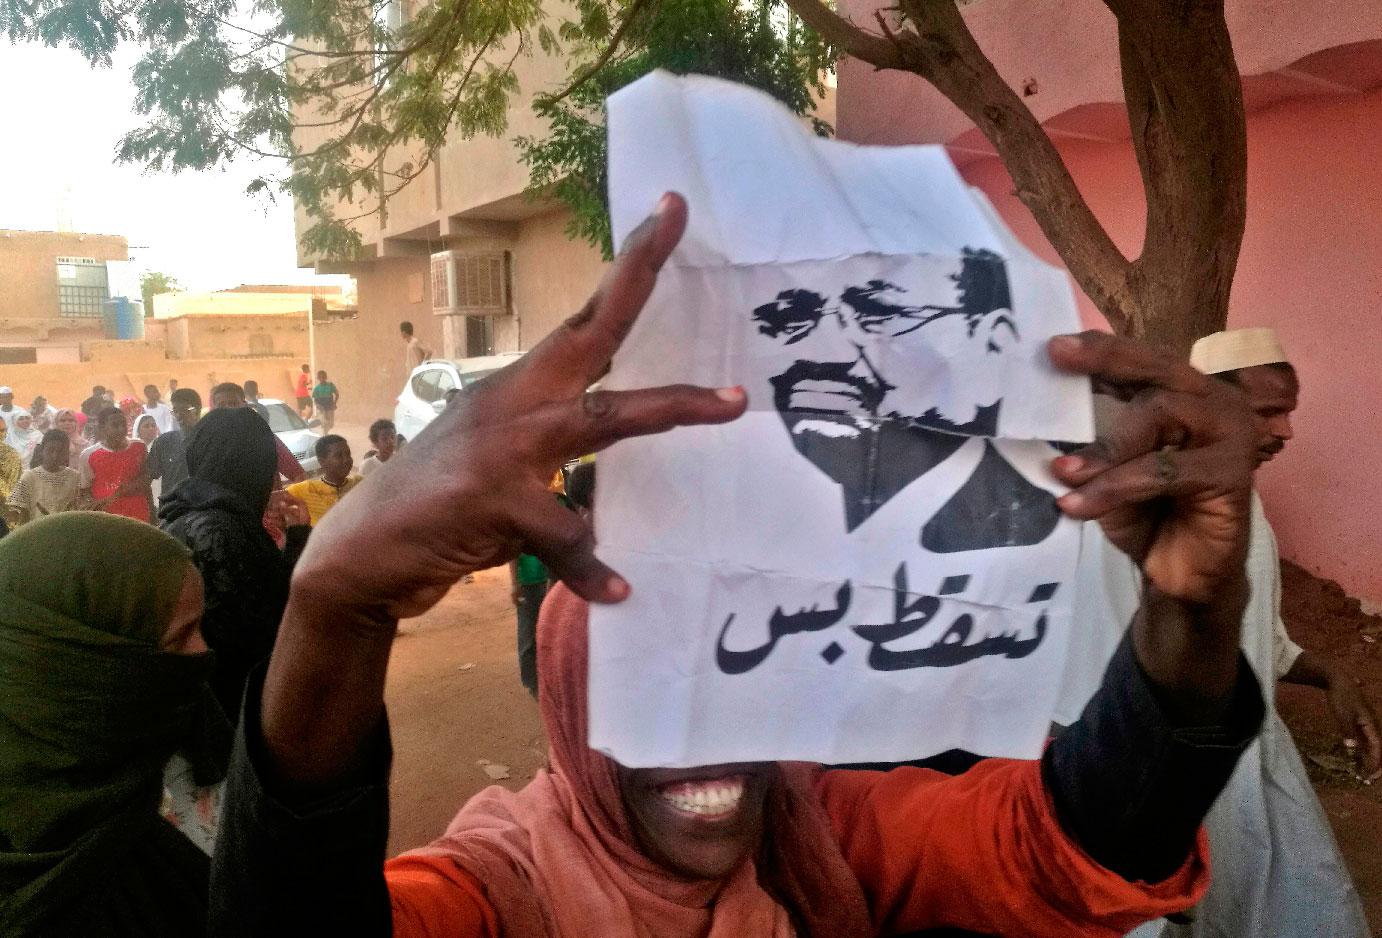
[1167, 472]
[596, 404]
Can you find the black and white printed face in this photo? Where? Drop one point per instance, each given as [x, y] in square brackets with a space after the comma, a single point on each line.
[874, 423]
[839, 378]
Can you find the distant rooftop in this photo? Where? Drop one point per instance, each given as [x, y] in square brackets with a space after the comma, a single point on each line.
[309, 289]
[11, 232]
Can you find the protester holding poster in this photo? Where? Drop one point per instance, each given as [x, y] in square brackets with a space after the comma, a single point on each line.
[1098, 835]
[885, 538]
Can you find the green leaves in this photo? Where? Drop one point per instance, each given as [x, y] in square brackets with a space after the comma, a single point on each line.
[152, 284]
[761, 44]
[351, 99]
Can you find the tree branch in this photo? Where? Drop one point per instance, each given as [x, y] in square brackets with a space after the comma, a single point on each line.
[1189, 133]
[593, 68]
[944, 52]
[878, 51]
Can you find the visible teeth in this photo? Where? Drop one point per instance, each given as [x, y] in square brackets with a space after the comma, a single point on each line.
[711, 799]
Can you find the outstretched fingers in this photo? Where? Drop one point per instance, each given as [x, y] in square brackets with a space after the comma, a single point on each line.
[582, 347]
[1152, 420]
[563, 541]
[1165, 473]
[1180, 435]
[1125, 363]
[598, 419]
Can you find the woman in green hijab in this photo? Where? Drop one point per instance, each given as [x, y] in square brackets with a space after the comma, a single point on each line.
[102, 679]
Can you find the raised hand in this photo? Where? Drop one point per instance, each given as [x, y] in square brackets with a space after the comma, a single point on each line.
[1171, 480]
[291, 510]
[468, 493]
[476, 478]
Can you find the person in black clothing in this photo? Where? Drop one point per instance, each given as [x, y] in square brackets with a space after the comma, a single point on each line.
[252, 399]
[92, 406]
[102, 680]
[218, 513]
[1116, 800]
[167, 458]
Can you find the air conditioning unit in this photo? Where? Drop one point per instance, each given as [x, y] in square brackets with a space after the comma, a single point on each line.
[471, 283]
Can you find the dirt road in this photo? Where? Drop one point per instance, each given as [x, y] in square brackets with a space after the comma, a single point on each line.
[454, 699]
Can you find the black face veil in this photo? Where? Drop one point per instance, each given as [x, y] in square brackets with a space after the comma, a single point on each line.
[234, 448]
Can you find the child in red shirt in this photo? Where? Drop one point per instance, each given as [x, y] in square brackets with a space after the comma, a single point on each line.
[112, 470]
[303, 391]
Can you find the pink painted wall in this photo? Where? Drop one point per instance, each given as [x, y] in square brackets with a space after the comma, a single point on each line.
[1311, 266]
[1068, 49]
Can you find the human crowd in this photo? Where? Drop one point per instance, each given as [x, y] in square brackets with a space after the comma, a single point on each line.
[121, 458]
[194, 738]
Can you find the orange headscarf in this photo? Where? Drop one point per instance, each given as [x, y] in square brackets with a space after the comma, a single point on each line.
[559, 858]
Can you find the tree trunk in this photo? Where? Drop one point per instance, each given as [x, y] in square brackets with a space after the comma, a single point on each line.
[1185, 108]
[1189, 133]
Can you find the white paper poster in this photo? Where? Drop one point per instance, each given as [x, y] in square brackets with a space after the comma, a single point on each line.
[869, 565]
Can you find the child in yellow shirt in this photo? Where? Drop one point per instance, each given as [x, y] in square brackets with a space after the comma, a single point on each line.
[321, 493]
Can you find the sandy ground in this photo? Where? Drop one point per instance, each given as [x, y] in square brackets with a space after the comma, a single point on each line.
[1322, 618]
[454, 700]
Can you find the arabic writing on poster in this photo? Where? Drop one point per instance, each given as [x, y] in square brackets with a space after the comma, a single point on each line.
[956, 644]
[869, 565]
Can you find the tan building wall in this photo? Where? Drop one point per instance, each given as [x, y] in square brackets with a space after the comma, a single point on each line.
[32, 327]
[28, 267]
[365, 356]
[231, 303]
[552, 277]
[126, 371]
[257, 336]
[48, 339]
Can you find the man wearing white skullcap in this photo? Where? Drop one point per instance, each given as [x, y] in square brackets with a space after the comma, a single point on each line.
[1254, 360]
[1276, 869]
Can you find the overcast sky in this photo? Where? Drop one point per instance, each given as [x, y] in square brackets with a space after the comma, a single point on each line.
[62, 119]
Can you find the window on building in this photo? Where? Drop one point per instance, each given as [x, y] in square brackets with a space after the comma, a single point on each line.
[83, 286]
[479, 335]
[76, 300]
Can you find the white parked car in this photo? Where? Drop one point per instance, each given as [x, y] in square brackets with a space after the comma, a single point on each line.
[424, 396]
[297, 434]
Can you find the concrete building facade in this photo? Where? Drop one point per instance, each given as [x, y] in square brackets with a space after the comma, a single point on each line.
[199, 339]
[254, 335]
[1312, 77]
[53, 287]
[512, 273]
[126, 366]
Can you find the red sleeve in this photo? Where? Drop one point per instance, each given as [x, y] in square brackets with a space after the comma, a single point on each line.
[288, 465]
[984, 851]
[434, 898]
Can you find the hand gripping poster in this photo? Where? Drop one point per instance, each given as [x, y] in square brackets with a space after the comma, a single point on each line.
[869, 565]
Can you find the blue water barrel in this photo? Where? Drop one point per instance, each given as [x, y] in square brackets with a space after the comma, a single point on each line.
[124, 318]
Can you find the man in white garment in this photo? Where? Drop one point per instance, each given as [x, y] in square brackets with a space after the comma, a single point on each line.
[155, 408]
[1276, 869]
